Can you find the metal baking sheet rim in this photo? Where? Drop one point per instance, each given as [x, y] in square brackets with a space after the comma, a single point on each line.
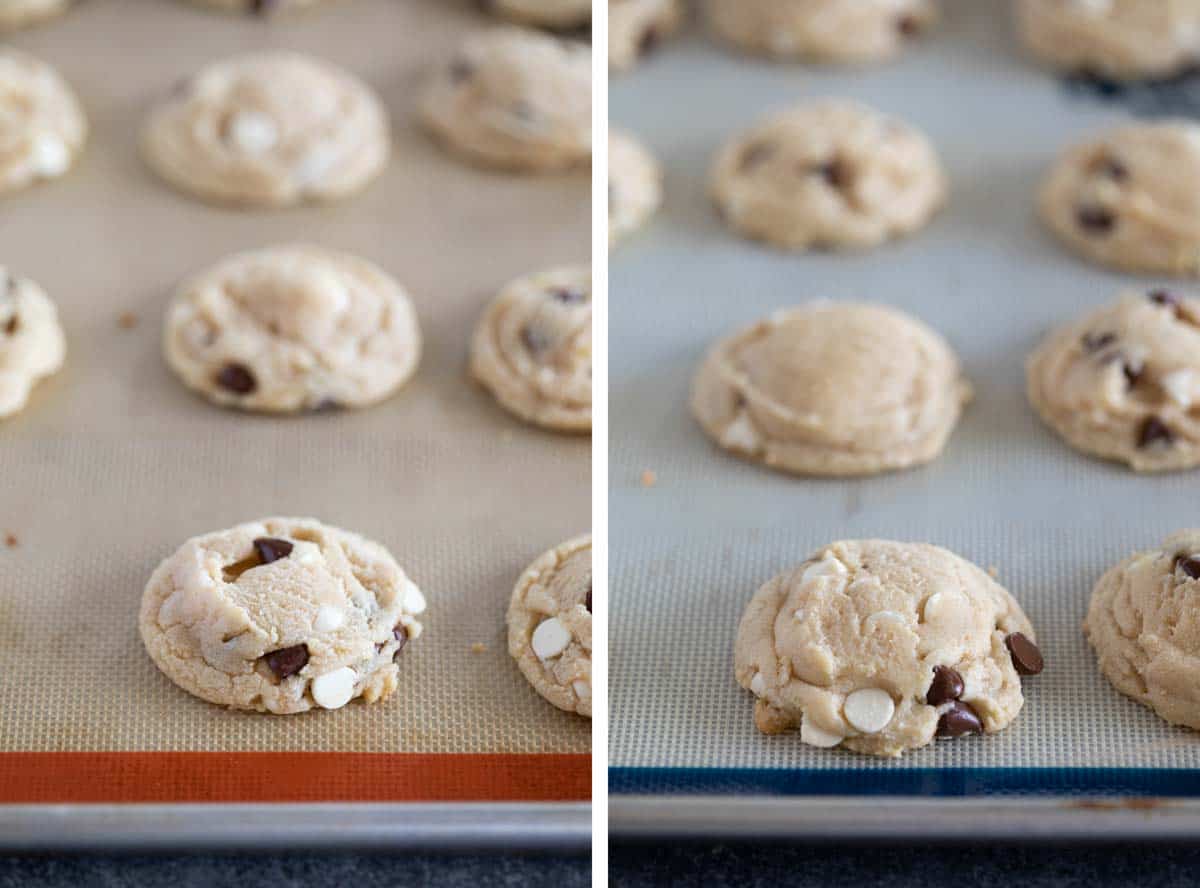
[528, 826]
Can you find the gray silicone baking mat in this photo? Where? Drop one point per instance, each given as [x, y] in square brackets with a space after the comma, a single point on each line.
[689, 551]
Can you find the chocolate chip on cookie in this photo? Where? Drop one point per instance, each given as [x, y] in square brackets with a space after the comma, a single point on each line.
[958, 720]
[270, 550]
[947, 685]
[1095, 220]
[1026, 657]
[1154, 432]
[1189, 564]
[236, 378]
[286, 662]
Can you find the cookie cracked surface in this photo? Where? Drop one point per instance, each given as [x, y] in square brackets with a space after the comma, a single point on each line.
[281, 616]
[42, 125]
[32, 345]
[880, 646]
[635, 190]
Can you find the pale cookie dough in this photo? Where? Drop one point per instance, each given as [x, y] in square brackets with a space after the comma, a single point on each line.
[1142, 624]
[514, 100]
[637, 27]
[542, 13]
[550, 625]
[42, 126]
[1131, 199]
[880, 647]
[827, 175]
[1123, 382]
[16, 14]
[532, 349]
[634, 185]
[281, 615]
[292, 328]
[261, 7]
[32, 345]
[269, 129]
[851, 31]
[1120, 39]
[832, 389]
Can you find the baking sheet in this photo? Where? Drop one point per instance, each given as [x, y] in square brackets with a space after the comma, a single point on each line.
[689, 551]
[115, 463]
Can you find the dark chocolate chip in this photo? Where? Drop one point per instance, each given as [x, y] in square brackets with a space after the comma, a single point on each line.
[649, 42]
[835, 172]
[401, 635]
[1133, 372]
[1095, 220]
[755, 156]
[908, 25]
[1110, 168]
[958, 720]
[947, 685]
[535, 339]
[237, 378]
[567, 296]
[1189, 564]
[1026, 657]
[262, 7]
[14, 324]
[287, 661]
[270, 549]
[587, 602]
[1093, 342]
[1164, 298]
[1154, 431]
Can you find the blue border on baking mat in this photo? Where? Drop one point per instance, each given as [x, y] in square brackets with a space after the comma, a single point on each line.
[950, 782]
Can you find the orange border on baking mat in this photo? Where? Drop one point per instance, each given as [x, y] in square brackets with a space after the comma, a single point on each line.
[95, 777]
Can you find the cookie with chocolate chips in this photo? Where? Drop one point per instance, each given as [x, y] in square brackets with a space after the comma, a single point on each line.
[42, 125]
[532, 349]
[550, 625]
[880, 647]
[1123, 382]
[638, 27]
[830, 174]
[635, 189]
[32, 345]
[514, 99]
[281, 616]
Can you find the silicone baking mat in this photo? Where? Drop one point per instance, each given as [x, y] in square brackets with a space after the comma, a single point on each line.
[689, 550]
[114, 463]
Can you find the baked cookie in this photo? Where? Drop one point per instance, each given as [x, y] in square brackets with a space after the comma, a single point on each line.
[32, 345]
[16, 14]
[533, 349]
[550, 625]
[292, 328]
[822, 30]
[637, 27]
[514, 100]
[1123, 382]
[260, 7]
[832, 389]
[1142, 624]
[1119, 39]
[42, 127]
[880, 647]
[831, 174]
[556, 14]
[634, 185]
[1131, 199]
[269, 129]
[279, 616]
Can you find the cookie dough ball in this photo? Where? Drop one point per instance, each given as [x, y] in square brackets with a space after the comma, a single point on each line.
[634, 185]
[637, 27]
[281, 616]
[845, 31]
[293, 328]
[832, 389]
[880, 647]
[532, 349]
[16, 14]
[1142, 624]
[1118, 39]
[1123, 382]
[42, 127]
[32, 345]
[542, 13]
[550, 625]
[1131, 199]
[514, 100]
[269, 129]
[260, 7]
[832, 174]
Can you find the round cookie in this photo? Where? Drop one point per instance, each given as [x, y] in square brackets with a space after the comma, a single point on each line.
[16, 14]
[637, 27]
[844, 31]
[514, 100]
[550, 625]
[532, 349]
[634, 185]
[292, 328]
[831, 174]
[264, 8]
[1130, 199]
[268, 129]
[1142, 624]
[32, 345]
[557, 14]
[42, 126]
[880, 646]
[1118, 39]
[832, 389]
[1123, 382]
[280, 616]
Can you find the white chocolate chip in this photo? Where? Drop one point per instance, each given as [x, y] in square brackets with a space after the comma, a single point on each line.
[333, 690]
[869, 710]
[1180, 385]
[583, 690]
[253, 132]
[828, 566]
[550, 639]
[814, 735]
[741, 435]
[758, 686]
[412, 601]
[328, 618]
[51, 156]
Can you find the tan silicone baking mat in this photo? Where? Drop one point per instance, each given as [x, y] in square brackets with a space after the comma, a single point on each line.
[114, 463]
